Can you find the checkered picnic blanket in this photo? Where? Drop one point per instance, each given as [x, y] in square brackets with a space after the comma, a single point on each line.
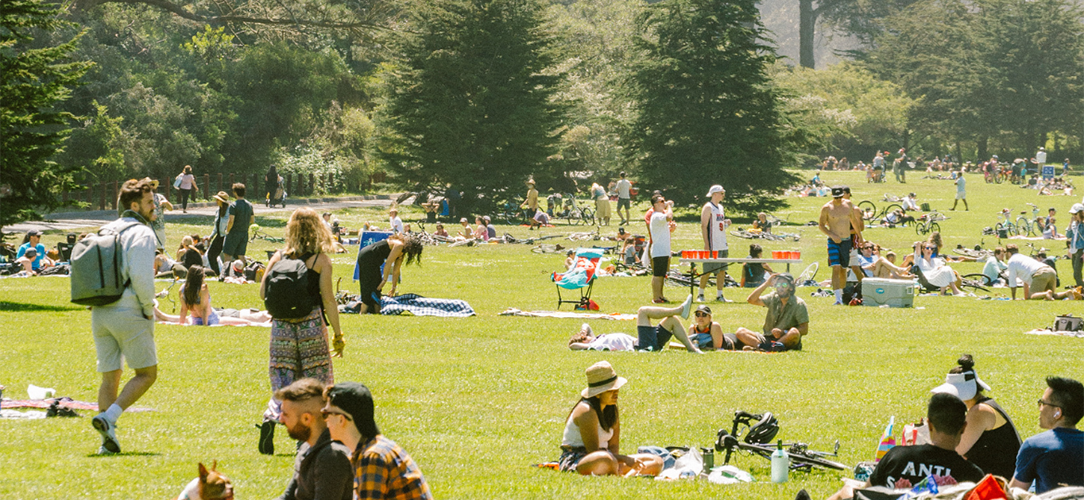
[417, 305]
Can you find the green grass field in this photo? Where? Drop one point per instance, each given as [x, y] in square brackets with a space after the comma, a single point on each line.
[476, 401]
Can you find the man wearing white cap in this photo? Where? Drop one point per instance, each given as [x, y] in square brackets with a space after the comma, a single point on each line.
[1074, 236]
[713, 224]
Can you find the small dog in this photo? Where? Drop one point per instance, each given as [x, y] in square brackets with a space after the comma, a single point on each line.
[210, 485]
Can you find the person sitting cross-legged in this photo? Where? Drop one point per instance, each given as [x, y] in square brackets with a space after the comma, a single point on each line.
[905, 466]
[787, 320]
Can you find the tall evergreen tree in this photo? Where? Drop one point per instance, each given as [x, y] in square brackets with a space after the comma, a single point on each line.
[706, 111]
[469, 102]
[34, 77]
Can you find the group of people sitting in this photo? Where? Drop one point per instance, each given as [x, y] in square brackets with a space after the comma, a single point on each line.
[786, 322]
[970, 435]
[32, 258]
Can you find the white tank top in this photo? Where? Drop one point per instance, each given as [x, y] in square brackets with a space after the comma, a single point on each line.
[716, 228]
[573, 438]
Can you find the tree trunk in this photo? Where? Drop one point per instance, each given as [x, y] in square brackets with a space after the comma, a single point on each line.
[807, 18]
[983, 145]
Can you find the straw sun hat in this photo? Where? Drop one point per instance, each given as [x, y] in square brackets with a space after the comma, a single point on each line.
[601, 377]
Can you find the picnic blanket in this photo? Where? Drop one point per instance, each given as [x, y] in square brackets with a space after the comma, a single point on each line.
[62, 401]
[412, 304]
[416, 305]
[1047, 331]
[511, 311]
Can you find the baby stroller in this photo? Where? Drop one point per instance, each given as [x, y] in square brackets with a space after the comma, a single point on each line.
[278, 197]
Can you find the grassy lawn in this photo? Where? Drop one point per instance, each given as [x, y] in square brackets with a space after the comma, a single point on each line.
[476, 401]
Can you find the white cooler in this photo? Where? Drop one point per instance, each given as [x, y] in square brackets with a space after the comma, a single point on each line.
[894, 293]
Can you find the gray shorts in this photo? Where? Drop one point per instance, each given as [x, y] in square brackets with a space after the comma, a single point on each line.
[624, 203]
[122, 334]
[714, 268]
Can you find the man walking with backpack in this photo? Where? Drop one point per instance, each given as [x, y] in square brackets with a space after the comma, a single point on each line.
[124, 330]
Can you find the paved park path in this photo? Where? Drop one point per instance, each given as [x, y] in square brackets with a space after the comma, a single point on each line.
[95, 218]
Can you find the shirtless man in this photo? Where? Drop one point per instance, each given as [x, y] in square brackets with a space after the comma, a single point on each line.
[837, 219]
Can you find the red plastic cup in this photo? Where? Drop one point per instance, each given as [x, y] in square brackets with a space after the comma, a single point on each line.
[775, 255]
[798, 255]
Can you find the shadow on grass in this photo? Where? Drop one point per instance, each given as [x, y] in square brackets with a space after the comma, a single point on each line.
[18, 307]
[125, 454]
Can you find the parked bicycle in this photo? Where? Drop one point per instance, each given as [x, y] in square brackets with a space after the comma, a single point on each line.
[754, 433]
[512, 214]
[871, 212]
[928, 223]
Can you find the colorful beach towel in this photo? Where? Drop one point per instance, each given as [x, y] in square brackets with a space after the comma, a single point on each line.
[416, 305]
[511, 311]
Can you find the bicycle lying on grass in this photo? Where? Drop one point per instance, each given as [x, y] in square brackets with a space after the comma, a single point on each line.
[753, 433]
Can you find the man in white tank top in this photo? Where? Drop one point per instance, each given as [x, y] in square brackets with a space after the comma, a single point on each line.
[713, 224]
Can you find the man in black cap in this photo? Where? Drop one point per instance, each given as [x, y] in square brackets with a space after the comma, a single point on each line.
[381, 468]
[836, 221]
[33, 240]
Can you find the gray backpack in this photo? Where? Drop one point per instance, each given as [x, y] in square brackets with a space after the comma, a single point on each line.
[96, 268]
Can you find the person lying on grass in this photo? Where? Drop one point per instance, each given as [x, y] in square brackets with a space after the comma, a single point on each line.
[591, 443]
[785, 324]
[253, 317]
[653, 338]
[196, 299]
[905, 466]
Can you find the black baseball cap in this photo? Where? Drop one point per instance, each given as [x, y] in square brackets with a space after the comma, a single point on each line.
[837, 192]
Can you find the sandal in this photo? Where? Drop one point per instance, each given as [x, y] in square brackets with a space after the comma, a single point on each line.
[266, 444]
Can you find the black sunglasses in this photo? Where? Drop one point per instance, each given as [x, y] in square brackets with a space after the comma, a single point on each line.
[701, 314]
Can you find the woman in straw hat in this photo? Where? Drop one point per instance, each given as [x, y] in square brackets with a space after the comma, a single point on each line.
[990, 440]
[218, 233]
[592, 438]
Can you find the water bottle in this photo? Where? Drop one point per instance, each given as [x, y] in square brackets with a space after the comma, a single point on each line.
[780, 464]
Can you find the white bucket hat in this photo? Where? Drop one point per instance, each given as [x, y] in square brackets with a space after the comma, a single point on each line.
[601, 377]
[962, 385]
[715, 189]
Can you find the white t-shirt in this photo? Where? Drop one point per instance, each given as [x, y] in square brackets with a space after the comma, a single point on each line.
[396, 224]
[1040, 158]
[623, 187]
[717, 227]
[1022, 267]
[660, 235]
[613, 342]
[910, 204]
[961, 184]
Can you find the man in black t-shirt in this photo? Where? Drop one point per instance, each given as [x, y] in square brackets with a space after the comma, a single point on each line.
[905, 466]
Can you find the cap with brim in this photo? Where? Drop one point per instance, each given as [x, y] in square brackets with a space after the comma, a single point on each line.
[703, 308]
[222, 197]
[355, 399]
[30, 252]
[154, 183]
[962, 385]
[837, 192]
[601, 377]
[715, 189]
[1076, 208]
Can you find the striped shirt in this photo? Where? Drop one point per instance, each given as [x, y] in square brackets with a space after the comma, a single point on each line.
[384, 470]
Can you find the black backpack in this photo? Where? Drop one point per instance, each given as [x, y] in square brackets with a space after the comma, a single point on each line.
[287, 293]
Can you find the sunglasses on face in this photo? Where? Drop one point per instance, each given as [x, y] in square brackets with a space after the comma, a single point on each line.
[702, 314]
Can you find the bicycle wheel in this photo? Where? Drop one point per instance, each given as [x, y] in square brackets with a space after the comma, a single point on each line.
[1025, 226]
[588, 216]
[802, 459]
[869, 210]
[935, 227]
[892, 208]
[998, 178]
[979, 277]
[921, 228]
[810, 273]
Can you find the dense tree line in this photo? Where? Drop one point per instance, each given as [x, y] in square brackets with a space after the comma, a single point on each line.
[484, 94]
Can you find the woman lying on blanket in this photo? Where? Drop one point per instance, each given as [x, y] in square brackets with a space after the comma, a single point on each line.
[195, 298]
[243, 317]
[659, 335]
[591, 443]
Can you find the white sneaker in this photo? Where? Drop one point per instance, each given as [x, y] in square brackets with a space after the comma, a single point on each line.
[700, 298]
[108, 431]
[686, 307]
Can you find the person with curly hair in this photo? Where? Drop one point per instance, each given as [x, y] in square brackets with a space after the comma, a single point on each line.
[389, 253]
[299, 346]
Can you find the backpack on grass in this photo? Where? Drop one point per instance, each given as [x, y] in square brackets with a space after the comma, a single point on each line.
[96, 275]
[287, 294]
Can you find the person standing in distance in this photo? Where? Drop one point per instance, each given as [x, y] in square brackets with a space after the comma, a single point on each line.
[961, 191]
[161, 204]
[836, 220]
[660, 224]
[713, 224]
[624, 199]
[124, 330]
[188, 185]
[532, 200]
[241, 217]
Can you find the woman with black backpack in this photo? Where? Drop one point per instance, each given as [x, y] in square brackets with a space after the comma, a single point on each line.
[299, 344]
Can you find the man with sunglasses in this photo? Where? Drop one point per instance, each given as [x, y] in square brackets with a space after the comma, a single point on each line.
[322, 468]
[1054, 458]
[785, 324]
[381, 468]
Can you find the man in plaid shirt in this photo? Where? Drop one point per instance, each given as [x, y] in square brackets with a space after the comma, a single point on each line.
[381, 468]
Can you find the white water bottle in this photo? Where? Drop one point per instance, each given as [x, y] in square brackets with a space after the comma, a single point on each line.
[780, 464]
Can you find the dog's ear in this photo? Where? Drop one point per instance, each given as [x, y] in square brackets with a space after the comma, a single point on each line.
[214, 465]
[203, 473]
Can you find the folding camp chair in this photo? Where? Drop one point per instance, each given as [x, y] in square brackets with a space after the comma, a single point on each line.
[581, 277]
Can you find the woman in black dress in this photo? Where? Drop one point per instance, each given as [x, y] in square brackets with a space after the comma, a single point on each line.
[389, 253]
